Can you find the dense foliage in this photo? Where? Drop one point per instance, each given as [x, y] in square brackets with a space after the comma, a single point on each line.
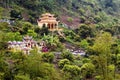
[98, 35]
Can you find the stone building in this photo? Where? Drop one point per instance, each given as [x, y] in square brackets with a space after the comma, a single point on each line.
[25, 45]
[49, 21]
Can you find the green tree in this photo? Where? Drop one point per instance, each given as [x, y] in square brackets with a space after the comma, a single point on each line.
[15, 14]
[11, 36]
[36, 68]
[85, 31]
[102, 47]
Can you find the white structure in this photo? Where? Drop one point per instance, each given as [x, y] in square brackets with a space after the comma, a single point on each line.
[26, 45]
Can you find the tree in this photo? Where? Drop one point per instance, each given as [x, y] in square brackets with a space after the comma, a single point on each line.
[102, 47]
[11, 36]
[36, 68]
[15, 14]
[47, 5]
[85, 31]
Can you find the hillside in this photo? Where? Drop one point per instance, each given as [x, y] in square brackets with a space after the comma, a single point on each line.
[80, 42]
[70, 12]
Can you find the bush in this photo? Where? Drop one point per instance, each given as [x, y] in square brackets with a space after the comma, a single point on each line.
[1, 76]
[86, 60]
[22, 77]
[87, 70]
[111, 68]
[97, 19]
[118, 56]
[67, 55]
[85, 31]
[72, 69]
[98, 78]
[16, 14]
[82, 19]
[84, 44]
[48, 57]
[69, 19]
[111, 71]
[63, 62]
[34, 67]
[117, 76]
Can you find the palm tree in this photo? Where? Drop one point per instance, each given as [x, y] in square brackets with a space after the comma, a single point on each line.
[51, 41]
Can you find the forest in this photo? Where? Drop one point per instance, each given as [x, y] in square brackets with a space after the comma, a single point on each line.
[89, 26]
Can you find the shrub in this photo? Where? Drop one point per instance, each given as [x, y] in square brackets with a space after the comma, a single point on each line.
[69, 19]
[111, 69]
[97, 19]
[98, 78]
[63, 62]
[22, 77]
[86, 60]
[85, 31]
[72, 69]
[87, 70]
[1, 76]
[118, 56]
[117, 76]
[48, 57]
[15, 14]
[82, 19]
[67, 55]
[84, 44]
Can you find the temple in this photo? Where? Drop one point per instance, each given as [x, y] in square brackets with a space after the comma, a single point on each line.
[26, 45]
[49, 21]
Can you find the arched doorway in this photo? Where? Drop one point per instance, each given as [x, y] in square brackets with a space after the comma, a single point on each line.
[52, 26]
[44, 25]
[48, 25]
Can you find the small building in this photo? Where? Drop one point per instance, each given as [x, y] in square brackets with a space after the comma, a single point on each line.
[26, 45]
[49, 21]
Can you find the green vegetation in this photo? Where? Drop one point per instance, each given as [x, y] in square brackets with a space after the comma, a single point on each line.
[89, 26]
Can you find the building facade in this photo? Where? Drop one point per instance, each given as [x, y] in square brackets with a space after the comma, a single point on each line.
[25, 45]
[49, 21]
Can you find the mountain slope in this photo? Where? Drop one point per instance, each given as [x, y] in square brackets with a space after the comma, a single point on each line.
[71, 12]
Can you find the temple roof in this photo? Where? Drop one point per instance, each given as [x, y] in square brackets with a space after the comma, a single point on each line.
[47, 14]
[27, 37]
[47, 18]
